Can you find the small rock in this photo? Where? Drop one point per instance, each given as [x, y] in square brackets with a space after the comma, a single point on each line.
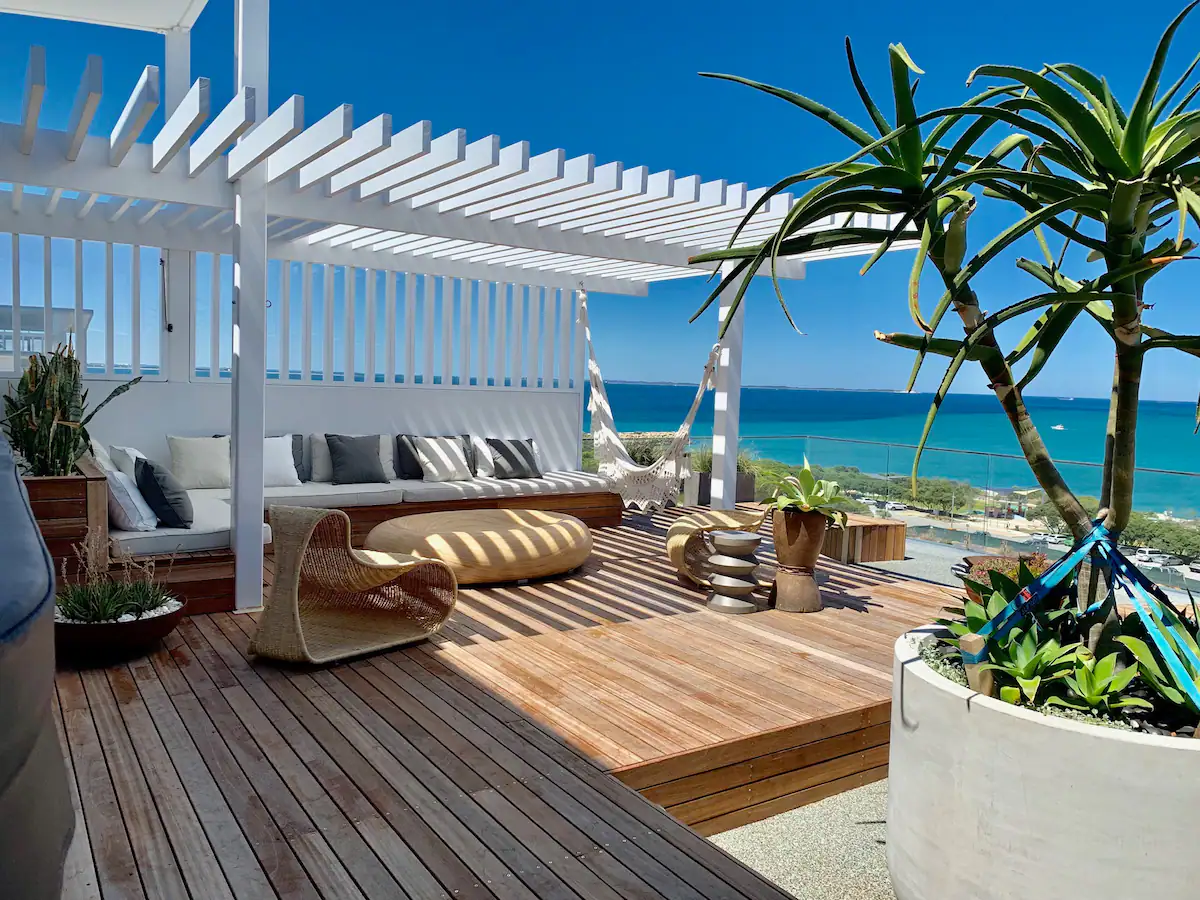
[128, 617]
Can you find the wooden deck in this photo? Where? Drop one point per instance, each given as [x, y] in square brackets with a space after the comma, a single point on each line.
[481, 764]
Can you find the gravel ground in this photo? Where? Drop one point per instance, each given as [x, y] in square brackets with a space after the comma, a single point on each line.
[926, 560]
[829, 850]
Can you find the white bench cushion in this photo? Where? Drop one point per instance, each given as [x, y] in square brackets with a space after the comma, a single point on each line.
[209, 531]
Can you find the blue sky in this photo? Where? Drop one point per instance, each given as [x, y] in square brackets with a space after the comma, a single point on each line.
[624, 86]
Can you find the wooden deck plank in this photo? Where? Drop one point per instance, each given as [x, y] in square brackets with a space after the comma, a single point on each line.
[499, 761]
[112, 853]
[79, 870]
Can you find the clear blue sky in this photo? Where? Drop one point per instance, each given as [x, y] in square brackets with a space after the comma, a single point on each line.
[622, 84]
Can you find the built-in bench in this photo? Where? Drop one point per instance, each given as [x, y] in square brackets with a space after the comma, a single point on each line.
[582, 494]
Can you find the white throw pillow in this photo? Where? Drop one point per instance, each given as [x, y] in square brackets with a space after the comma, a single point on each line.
[200, 462]
[484, 466]
[442, 459]
[322, 462]
[279, 466]
[123, 459]
[100, 455]
[127, 508]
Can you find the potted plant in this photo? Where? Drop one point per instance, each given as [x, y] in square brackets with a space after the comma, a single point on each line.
[45, 421]
[104, 616]
[989, 773]
[804, 506]
[697, 488]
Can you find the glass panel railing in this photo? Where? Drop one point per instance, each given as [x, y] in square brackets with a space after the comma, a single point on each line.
[977, 502]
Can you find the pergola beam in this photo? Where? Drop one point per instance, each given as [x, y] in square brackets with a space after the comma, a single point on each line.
[184, 122]
[409, 144]
[137, 112]
[275, 131]
[479, 156]
[540, 169]
[364, 142]
[87, 98]
[512, 160]
[230, 124]
[31, 100]
[330, 132]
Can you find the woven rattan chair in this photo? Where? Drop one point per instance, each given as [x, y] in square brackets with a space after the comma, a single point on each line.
[688, 548]
[330, 601]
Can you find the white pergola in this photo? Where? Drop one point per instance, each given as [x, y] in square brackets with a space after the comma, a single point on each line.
[286, 184]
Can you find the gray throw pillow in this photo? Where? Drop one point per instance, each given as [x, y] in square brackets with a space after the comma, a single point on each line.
[408, 463]
[163, 494]
[356, 459]
[514, 457]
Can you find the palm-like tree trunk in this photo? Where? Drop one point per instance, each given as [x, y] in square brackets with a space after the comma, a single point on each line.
[1004, 386]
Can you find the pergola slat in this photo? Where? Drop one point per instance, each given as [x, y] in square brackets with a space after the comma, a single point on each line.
[87, 98]
[137, 112]
[184, 122]
[31, 100]
[230, 124]
[331, 131]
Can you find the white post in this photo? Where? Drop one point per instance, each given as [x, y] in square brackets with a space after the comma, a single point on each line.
[581, 377]
[727, 402]
[249, 320]
[179, 281]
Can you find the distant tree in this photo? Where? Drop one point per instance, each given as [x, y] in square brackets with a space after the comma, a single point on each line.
[1047, 513]
[943, 495]
[1176, 538]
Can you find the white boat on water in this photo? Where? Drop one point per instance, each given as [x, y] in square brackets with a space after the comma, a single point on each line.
[1058, 427]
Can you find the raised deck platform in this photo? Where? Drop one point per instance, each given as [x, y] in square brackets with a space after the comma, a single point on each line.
[479, 764]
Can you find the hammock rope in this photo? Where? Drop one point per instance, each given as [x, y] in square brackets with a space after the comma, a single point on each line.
[643, 487]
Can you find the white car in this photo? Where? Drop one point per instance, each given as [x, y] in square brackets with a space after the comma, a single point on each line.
[1044, 537]
[892, 504]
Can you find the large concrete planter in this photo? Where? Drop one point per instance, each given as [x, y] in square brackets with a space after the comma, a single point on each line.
[987, 801]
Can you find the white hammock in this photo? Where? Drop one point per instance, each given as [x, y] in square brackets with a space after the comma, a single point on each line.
[649, 487]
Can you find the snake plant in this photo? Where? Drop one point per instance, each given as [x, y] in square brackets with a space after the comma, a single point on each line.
[44, 417]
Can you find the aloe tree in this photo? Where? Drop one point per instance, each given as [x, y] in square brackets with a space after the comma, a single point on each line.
[1074, 165]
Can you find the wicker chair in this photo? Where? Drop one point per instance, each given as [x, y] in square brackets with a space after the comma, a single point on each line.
[330, 601]
[688, 548]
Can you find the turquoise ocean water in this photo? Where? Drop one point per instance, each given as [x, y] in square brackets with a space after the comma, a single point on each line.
[771, 417]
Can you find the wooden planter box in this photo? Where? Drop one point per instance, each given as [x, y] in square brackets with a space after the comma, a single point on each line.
[66, 507]
[865, 539]
[697, 490]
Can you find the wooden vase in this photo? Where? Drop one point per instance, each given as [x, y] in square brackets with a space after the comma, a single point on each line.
[799, 537]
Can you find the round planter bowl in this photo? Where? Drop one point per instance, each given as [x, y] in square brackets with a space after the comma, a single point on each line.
[988, 801]
[106, 642]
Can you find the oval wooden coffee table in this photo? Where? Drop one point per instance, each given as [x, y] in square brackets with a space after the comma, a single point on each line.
[489, 545]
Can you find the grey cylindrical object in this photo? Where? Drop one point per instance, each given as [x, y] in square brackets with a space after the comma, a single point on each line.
[36, 818]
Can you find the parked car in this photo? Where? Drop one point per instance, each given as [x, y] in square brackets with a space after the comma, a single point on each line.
[892, 504]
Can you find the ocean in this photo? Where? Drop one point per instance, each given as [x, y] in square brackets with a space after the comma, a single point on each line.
[1073, 428]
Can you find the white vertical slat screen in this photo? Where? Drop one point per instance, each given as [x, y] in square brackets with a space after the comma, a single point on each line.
[56, 291]
[501, 328]
[485, 299]
[464, 331]
[447, 312]
[379, 327]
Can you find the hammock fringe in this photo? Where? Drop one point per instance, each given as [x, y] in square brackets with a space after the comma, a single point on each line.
[650, 487]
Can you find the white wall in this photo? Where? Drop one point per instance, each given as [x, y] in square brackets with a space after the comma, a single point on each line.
[144, 416]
